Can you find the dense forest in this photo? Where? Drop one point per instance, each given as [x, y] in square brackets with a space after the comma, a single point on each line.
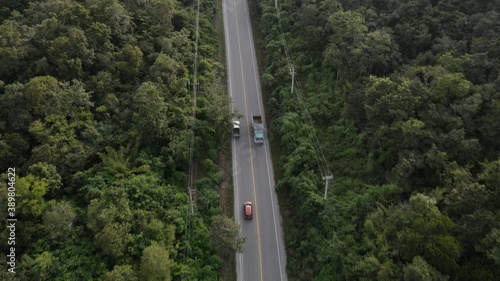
[404, 97]
[96, 117]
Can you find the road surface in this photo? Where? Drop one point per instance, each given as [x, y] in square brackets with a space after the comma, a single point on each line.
[264, 256]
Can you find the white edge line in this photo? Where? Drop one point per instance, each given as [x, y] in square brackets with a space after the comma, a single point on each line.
[259, 90]
[239, 257]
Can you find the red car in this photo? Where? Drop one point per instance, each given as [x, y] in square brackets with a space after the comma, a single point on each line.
[247, 210]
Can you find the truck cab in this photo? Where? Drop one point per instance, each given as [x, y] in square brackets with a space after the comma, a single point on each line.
[259, 136]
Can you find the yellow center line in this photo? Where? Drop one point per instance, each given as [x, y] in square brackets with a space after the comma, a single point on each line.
[249, 141]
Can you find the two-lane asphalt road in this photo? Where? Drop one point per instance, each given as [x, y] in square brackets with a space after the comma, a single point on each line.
[264, 256]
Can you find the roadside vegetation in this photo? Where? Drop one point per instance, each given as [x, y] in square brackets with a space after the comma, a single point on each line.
[96, 119]
[404, 97]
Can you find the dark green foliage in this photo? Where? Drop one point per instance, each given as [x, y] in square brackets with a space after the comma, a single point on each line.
[226, 237]
[96, 118]
[403, 96]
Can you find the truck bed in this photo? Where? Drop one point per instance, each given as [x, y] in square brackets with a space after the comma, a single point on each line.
[256, 119]
[258, 128]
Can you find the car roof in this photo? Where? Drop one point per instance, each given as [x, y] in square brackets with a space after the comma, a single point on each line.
[248, 209]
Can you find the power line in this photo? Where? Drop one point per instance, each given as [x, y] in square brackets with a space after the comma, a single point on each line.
[315, 142]
[314, 135]
[320, 157]
[195, 89]
[191, 188]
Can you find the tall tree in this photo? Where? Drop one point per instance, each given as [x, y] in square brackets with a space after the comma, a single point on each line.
[155, 263]
[226, 237]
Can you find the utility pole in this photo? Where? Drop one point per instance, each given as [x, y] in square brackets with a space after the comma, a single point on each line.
[191, 190]
[329, 177]
[191, 201]
[195, 92]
